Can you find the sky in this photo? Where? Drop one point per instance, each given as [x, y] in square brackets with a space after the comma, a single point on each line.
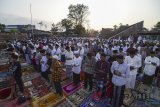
[103, 13]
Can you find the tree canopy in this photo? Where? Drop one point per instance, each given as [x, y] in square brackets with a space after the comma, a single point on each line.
[78, 13]
[157, 25]
[67, 26]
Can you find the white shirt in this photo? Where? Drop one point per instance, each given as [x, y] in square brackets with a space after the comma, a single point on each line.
[81, 52]
[125, 49]
[24, 49]
[58, 51]
[135, 62]
[116, 48]
[98, 56]
[53, 52]
[43, 63]
[123, 69]
[36, 45]
[69, 55]
[77, 65]
[149, 68]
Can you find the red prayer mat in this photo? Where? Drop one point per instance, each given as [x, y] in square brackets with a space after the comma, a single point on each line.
[71, 88]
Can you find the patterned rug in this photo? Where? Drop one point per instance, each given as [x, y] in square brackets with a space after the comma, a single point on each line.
[13, 103]
[64, 104]
[143, 88]
[66, 81]
[128, 98]
[71, 88]
[90, 101]
[77, 98]
[139, 104]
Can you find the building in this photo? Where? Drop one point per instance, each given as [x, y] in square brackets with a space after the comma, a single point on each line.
[107, 32]
[18, 28]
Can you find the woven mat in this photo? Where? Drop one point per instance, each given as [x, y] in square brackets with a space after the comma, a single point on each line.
[139, 104]
[128, 98]
[90, 101]
[78, 97]
[71, 88]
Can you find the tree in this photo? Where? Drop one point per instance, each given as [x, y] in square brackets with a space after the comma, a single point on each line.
[2, 26]
[157, 26]
[79, 30]
[115, 27]
[120, 24]
[67, 25]
[54, 29]
[78, 13]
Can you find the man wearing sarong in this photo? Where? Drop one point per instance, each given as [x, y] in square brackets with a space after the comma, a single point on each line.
[151, 63]
[120, 71]
[102, 70]
[69, 61]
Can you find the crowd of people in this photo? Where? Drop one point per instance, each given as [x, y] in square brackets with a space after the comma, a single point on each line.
[102, 60]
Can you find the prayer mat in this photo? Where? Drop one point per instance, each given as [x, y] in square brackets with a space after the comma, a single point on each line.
[13, 103]
[66, 81]
[138, 103]
[128, 98]
[152, 102]
[77, 98]
[30, 76]
[155, 93]
[143, 88]
[91, 101]
[49, 100]
[65, 103]
[71, 88]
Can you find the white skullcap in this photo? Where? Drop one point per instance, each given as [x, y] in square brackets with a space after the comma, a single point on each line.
[76, 52]
[55, 57]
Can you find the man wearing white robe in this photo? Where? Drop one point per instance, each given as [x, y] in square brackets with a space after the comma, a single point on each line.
[77, 61]
[134, 62]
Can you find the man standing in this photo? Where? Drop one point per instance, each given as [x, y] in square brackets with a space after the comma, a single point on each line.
[44, 65]
[15, 70]
[69, 61]
[134, 62]
[102, 70]
[151, 63]
[120, 71]
[77, 61]
[88, 68]
[56, 75]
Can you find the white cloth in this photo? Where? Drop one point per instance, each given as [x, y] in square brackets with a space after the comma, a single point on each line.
[81, 52]
[43, 63]
[36, 45]
[69, 55]
[135, 62]
[123, 69]
[58, 51]
[77, 65]
[24, 48]
[53, 51]
[149, 68]
[98, 56]
[131, 81]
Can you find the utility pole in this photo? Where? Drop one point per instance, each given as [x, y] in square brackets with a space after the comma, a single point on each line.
[31, 19]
